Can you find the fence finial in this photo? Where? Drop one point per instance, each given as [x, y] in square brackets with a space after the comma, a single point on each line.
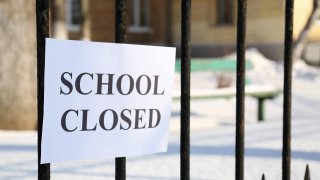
[263, 177]
[307, 173]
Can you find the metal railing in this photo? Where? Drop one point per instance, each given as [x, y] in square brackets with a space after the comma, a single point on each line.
[42, 22]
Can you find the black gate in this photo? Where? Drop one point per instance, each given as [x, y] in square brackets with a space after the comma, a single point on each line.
[42, 20]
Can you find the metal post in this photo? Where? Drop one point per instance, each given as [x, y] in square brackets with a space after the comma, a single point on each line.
[261, 109]
[169, 22]
[42, 22]
[185, 89]
[286, 150]
[120, 37]
[241, 37]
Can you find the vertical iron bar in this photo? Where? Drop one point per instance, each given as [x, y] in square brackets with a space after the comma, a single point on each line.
[120, 20]
[120, 37]
[286, 149]
[185, 89]
[42, 23]
[241, 37]
[169, 22]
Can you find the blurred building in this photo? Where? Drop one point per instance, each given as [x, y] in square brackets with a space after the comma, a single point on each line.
[158, 22]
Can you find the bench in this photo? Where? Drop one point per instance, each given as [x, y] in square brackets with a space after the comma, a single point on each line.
[260, 92]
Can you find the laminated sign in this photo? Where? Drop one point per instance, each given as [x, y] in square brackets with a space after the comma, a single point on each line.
[105, 100]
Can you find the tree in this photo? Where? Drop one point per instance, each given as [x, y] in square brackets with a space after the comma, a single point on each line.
[17, 65]
[315, 14]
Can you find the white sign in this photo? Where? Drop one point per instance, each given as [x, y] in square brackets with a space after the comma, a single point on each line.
[105, 100]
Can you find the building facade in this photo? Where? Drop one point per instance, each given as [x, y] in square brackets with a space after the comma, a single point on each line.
[157, 22]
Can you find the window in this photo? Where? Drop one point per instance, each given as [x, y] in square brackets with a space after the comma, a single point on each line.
[73, 15]
[224, 12]
[139, 16]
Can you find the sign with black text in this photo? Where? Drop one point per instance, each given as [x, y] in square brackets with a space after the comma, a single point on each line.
[105, 100]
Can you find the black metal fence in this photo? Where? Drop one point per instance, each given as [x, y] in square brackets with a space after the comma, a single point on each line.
[42, 21]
